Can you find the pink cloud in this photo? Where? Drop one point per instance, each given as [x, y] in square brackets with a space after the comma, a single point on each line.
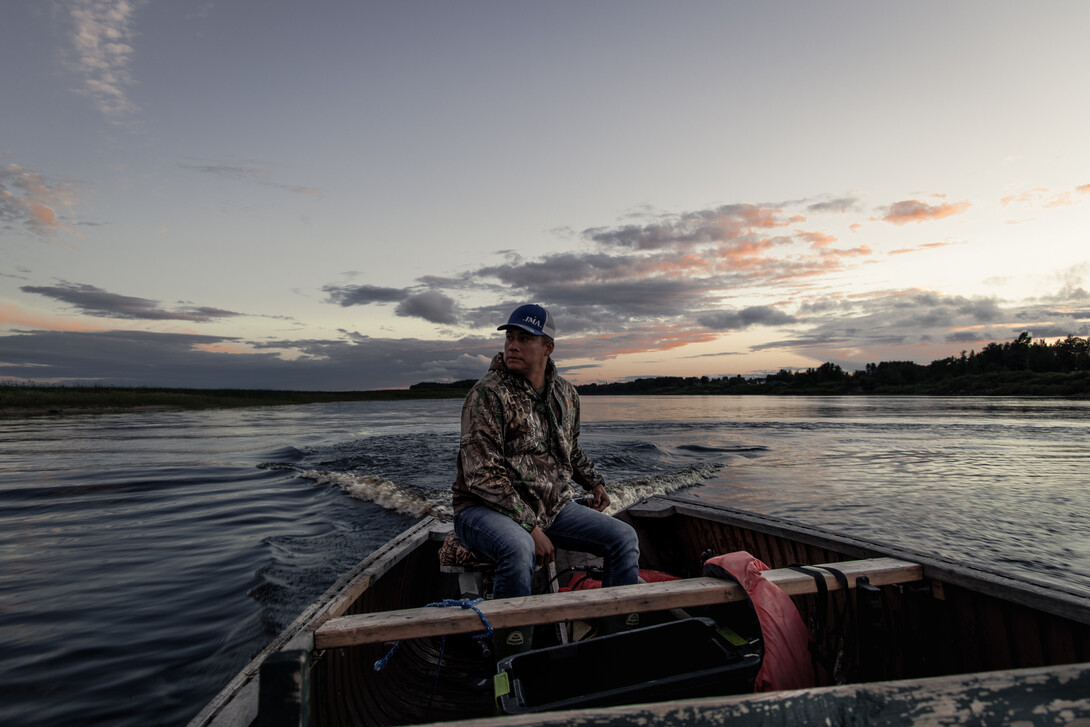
[44, 215]
[926, 246]
[746, 254]
[1028, 197]
[13, 315]
[643, 340]
[29, 201]
[817, 240]
[861, 251]
[224, 347]
[1063, 199]
[913, 210]
[1043, 197]
[726, 224]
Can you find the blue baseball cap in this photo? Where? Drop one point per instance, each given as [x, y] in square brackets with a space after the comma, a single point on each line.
[533, 319]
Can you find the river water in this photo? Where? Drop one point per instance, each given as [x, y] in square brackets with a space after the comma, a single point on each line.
[145, 557]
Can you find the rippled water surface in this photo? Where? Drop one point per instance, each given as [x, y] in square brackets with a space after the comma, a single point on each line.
[144, 558]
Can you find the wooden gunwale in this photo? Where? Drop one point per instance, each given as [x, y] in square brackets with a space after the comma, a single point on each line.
[1049, 695]
[1051, 598]
[236, 703]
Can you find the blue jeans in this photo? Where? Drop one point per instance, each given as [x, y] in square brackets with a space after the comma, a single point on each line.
[577, 527]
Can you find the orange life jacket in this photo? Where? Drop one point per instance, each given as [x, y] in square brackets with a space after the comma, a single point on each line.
[787, 663]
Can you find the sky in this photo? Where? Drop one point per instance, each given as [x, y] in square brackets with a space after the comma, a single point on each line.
[353, 195]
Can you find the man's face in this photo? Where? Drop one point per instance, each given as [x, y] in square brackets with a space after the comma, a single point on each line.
[525, 353]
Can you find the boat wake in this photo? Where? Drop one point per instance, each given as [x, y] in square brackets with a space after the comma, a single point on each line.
[403, 499]
[630, 492]
[420, 502]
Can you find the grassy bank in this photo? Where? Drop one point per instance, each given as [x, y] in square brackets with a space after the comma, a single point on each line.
[1001, 383]
[27, 400]
[18, 400]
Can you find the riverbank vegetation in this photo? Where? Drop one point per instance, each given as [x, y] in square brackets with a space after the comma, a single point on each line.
[26, 399]
[1022, 367]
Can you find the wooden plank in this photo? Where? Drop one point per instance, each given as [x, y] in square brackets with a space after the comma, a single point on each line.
[1058, 695]
[553, 607]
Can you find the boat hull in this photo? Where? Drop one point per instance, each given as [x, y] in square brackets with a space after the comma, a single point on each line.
[904, 641]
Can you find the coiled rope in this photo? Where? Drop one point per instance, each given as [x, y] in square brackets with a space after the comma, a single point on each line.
[445, 603]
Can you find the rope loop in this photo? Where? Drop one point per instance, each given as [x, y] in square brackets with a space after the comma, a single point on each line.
[445, 603]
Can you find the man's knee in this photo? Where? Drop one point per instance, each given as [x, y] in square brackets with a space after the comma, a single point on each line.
[629, 543]
[515, 567]
[519, 551]
[625, 541]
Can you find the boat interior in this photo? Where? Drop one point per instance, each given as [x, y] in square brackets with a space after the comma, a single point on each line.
[877, 617]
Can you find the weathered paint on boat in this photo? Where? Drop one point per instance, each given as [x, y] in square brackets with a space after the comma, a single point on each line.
[1042, 696]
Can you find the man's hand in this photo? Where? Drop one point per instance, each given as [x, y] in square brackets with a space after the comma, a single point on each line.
[601, 498]
[543, 547]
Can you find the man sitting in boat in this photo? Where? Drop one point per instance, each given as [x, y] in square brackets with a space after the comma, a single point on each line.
[518, 451]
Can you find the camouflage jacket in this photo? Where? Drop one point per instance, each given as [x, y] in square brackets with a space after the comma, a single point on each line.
[519, 450]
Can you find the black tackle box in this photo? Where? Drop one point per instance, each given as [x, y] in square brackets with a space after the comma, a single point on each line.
[676, 660]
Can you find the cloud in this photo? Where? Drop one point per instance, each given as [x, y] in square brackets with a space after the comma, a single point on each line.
[101, 32]
[665, 283]
[1043, 197]
[641, 279]
[614, 301]
[141, 358]
[818, 240]
[130, 358]
[28, 201]
[722, 224]
[913, 210]
[848, 330]
[667, 268]
[762, 315]
[1071, 281]
[558, 268]
[640, 339]
[919, 325]
[429, 305]
[252, 173]
[840, 205]
[1029, 196]
[352, 362]
[95, 301]
[925, 246]
[12, 315]
[348, 295]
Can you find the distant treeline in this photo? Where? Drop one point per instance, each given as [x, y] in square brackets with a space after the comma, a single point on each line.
[1022, 367]
[19, 399]
[462, 386]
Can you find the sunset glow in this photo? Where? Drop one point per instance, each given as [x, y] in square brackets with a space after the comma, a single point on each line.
[704, 189]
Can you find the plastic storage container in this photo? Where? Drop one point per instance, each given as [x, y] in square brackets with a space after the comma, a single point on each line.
[677, 660]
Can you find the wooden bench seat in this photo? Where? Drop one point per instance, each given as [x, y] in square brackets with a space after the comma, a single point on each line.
[555, 607]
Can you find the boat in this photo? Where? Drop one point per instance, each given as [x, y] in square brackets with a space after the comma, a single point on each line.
[902, 638]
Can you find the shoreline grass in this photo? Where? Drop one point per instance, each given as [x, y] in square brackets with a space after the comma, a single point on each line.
[26, 400]
[19, 400]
